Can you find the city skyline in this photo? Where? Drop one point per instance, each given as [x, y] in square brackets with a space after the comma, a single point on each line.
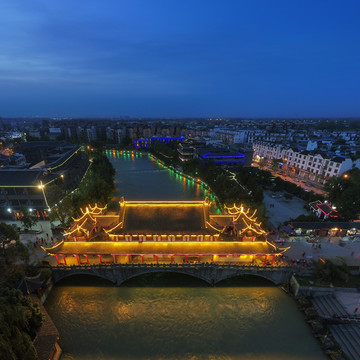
[178, 60]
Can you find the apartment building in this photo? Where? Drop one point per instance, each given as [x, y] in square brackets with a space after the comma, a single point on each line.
[312, 165]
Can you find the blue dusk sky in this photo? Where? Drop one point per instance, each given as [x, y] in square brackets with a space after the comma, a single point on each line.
[180, 58]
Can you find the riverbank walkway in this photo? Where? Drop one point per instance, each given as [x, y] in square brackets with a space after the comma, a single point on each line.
[46, 341]
[348, 336]
[346, 326]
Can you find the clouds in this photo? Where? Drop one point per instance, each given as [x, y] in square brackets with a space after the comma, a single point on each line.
[189, 56]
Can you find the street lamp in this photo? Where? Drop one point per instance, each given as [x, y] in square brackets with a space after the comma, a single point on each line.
[41, 186]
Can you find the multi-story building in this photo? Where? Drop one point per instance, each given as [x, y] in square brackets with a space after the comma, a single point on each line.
[56, 169]
[313, 165]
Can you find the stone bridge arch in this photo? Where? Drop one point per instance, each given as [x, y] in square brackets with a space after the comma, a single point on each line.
[59, 275]
[173, 271]
[211, 273]
[258, 275]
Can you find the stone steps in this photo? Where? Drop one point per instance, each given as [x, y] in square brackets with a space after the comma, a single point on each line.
[327, 306]
[348, 336]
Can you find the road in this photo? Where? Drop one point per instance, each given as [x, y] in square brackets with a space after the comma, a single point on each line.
[299, 182]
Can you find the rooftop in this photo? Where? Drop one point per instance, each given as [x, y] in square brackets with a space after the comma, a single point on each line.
[171, 248]
[24, 177]
[161, 218]
[325, 225]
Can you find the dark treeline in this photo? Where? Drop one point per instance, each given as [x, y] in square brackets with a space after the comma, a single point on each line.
[19, 321]
[96, 187]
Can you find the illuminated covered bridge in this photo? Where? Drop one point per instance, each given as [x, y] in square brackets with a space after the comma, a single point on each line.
[168, 233]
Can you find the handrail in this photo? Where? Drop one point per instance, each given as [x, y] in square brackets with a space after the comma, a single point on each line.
[168, 266]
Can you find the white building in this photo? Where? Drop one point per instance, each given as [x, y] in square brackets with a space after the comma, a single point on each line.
[309, 165]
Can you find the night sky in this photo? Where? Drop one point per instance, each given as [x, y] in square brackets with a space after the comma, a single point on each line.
[180, 58]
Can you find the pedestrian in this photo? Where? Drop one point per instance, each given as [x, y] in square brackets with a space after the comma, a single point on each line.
[352, 254]
[355, 311]
[303, 254]
[319, 246]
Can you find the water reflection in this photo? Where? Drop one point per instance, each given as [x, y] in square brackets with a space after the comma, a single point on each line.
[171, 316]
[140, 177]
[196, 322]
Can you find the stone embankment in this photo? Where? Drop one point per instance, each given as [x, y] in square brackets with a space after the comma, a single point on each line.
[46, 341]
[337, 329]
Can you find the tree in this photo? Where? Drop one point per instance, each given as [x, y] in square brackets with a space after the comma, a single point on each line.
[329, 272]
[63, 212]
[17, 252]
[27, 220]
[262, 163]
[7, 234]
[126, 141]
[344, 194]
[275, 164]
[19, 321]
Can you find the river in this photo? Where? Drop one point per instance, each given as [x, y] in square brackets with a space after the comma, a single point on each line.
[172, 316]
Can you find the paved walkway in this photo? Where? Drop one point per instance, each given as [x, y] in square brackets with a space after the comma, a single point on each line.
[327, 249]
[283, 209]
[316, 188]
[350, 300]
[42, 230]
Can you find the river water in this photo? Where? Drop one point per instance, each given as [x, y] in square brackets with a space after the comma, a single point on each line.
[170, 316]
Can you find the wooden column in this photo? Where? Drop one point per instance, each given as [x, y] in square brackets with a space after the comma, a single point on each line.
[64, 259]
[87, 259]
[272, 260]
[265, 259]
[57, 259]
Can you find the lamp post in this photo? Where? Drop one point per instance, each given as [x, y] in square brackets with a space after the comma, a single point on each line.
[41, 186]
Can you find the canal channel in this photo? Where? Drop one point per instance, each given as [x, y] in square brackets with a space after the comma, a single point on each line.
[173, 316]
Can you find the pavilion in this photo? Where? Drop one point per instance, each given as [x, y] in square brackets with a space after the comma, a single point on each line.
[165, 232]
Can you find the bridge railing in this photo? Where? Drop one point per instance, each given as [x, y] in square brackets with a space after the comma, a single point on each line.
[251, 268]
